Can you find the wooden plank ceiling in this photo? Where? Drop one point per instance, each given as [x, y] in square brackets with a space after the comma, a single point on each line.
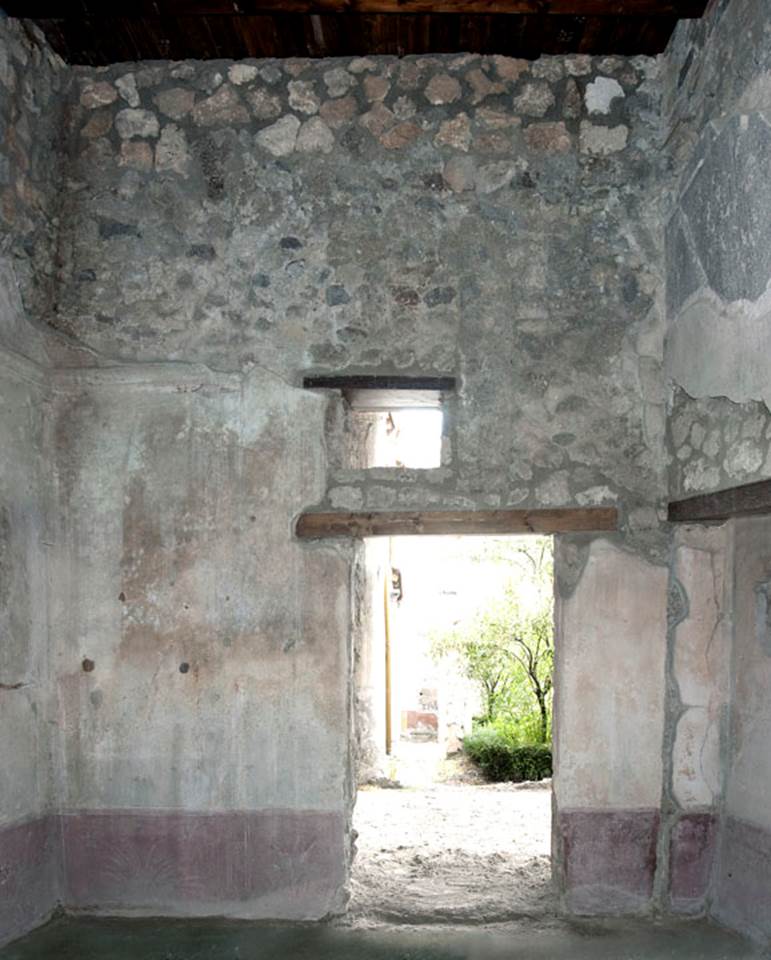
[99, 32]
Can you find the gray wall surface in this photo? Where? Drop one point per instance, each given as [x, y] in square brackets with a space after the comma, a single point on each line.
[31, 78]
[181, 242]
[717, 108]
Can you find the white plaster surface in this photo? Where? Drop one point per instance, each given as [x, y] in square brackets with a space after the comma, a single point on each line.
[716, 349]
[749, 782]
[609, 684]
[702, 652]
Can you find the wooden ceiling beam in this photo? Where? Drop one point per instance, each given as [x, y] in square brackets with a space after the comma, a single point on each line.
[79, 9]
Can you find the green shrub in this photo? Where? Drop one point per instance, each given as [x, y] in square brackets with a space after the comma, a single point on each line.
[502, 758]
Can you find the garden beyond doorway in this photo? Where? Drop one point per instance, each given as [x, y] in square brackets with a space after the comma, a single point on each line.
[454, 689]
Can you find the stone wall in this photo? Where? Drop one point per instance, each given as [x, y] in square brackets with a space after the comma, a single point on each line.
[489, 218]
[30, 79]
[32, 82]
[212, 231]
[717, 78]
[483, 217]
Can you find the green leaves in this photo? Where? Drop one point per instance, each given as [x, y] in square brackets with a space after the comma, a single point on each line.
[508, 647]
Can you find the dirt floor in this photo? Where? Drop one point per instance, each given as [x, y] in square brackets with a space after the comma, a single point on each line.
[453, 851]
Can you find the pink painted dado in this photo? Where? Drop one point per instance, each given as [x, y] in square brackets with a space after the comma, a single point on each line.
[284, 864]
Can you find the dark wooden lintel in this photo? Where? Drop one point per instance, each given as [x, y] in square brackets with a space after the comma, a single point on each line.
[374, 382]
[744, 501]
[316, 526]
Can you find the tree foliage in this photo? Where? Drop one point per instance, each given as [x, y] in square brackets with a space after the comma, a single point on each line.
[508, 646]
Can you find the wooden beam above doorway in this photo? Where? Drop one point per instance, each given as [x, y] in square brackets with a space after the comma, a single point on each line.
[745, 501]
[318, 526]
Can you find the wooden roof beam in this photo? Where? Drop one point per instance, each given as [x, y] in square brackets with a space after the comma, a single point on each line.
[83, 9]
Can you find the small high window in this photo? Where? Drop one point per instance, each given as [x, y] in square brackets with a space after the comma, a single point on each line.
[391, 421]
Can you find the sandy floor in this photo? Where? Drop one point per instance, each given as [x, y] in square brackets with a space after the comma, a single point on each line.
[454, 852]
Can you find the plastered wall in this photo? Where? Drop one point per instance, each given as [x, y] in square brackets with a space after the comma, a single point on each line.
[223, 228]
[743, 882]
[31, 81]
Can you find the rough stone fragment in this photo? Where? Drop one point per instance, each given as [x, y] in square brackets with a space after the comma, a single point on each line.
[700, 476]
[337, 295]
[127, 87]
[136, 154]
[400, 135]
[280, 137]
[202, 251]
[338, 112]
[610, 64]
[510, 68]
[338, 82]
[7, 73]
[295, 66]
[482, 85]
[361, 65]
[270, 73]
[241, 73]
[547, 68]
[410, 75]
[743, 458]
[132, 123]
[442, 88]
[493, 176]
[376, 87]
[302, 96]
[492, 142]
[314, 135]
[459, 173]
[98, 124]
[182, 71]
[440, 296]
[602, 140]
[378, 119]
[264, 104]
[551, 137]
[224, 106]
[578, 65]
[404, 108]
[535, 99]
[601, 93]
[405, 296]
[175, 103]
[210, 81]
[97, 94]
[171, 153]
[496, 119]
[572, 104]
[454, 133]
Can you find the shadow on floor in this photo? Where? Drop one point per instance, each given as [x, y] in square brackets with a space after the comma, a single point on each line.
[119, 939]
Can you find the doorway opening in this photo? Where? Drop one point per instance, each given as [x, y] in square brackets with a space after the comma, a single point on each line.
[454, 643]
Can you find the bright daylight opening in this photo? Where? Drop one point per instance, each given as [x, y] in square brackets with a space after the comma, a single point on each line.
[408, 438]
[394, 428]
[454, 666]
